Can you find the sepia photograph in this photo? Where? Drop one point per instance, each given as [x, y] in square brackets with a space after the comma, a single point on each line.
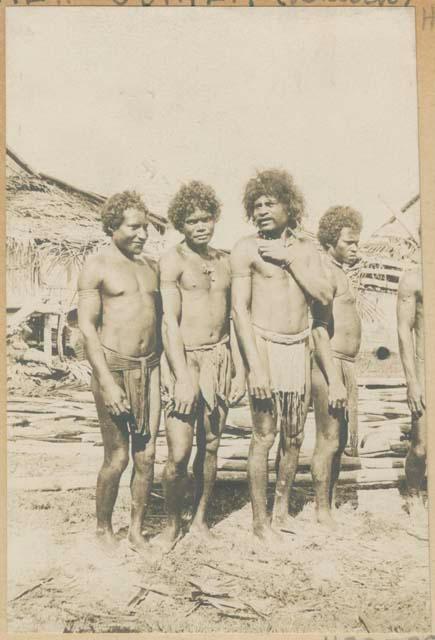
[216, 405]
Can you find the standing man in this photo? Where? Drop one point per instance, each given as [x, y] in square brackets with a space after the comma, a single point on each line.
[337, 339]
[197, 365]
[119, 318]
[276, 273]
[411, 346]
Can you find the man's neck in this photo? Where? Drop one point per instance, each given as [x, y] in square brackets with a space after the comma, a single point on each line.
[283, 234]
[203, 251]
[334, 260]
[131, 257]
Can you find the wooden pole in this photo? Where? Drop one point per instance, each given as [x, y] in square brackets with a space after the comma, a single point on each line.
[47, 337]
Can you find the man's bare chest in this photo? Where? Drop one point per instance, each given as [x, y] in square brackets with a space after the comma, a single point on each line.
[129, 279]
[210, 276]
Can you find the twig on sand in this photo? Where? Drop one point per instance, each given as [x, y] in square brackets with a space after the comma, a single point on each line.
[161, 590]
[364, 623]
[138, 598]
[36, 586]
[192, 609]
[415, 535]
[254, 610]
[228, 573]
[240, 616]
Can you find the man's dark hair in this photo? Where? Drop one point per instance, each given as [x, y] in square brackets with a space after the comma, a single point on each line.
[333, 221]
[280, 185]
[192, 196]
[112, 213]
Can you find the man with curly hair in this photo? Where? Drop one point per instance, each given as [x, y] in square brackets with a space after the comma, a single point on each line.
[276, 273]
[197, 368]
[411, 347]
[337, 339]
[119, 318]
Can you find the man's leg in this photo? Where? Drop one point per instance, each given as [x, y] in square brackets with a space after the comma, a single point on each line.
[336, 460]
[326, 448]
[209, 429]
[287, 458]
[143, 453]
[179, 436]
[263, 437]
[415, 465]
[115, 442]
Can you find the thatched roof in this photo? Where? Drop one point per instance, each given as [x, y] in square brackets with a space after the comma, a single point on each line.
[48, 210]
[398, 237]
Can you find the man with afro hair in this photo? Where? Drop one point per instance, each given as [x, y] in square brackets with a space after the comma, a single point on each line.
[276, 273]
[337, 339]
[411, 347]
[119, 318]
[197, 366]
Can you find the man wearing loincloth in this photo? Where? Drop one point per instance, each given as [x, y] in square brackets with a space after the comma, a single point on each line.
[276, 273]
[337, 338]
[411, 346]
[119, 318]
[197, 366]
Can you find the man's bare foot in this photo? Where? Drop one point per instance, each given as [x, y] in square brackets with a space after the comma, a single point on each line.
[267, 535]
[107, 540]
[201, 530]
[137, 542]
[417, 510]
[284, 523]
[325, 519]
[166, 540]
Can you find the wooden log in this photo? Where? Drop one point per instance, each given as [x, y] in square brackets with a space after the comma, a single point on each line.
[361, 478]
[240, 464]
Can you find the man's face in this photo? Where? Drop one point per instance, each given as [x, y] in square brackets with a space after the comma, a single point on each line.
[132, 233]
[346, 249]
[198, 228]
[269, 216]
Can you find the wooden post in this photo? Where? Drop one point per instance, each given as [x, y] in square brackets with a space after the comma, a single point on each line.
[47, 337]
[60, 328]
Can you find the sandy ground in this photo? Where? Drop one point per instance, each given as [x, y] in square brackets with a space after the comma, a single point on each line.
[371, 575]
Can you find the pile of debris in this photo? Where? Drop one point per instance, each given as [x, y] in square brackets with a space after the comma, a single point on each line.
[31, 372]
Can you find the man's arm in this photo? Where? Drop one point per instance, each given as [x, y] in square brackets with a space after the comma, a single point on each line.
[184, 393]
[238, 383]
[241, 293]
[89, 311]
[303, 261]
[322, 331]
[406, 310]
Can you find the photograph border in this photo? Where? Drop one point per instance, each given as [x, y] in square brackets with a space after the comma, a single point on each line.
[425, 61]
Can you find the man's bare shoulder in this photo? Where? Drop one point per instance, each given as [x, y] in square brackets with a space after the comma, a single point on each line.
[410, 282]
[151, 263]
[93, 270]
[171, 255]
[247, 245]
[171, 264]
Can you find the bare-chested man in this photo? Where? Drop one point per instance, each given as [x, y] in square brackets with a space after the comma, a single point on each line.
[337, 338]
[119, 319]
[275, 275]
[411, 345]
[197, 365]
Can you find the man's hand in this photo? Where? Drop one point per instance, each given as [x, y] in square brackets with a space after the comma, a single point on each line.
[415, 399]
[238, 386]
[115, 399]
[273, 251]
[337, 395]
[184, 397]
[259, 385]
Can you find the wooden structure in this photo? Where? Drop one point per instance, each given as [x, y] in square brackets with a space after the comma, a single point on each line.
[51, 227]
